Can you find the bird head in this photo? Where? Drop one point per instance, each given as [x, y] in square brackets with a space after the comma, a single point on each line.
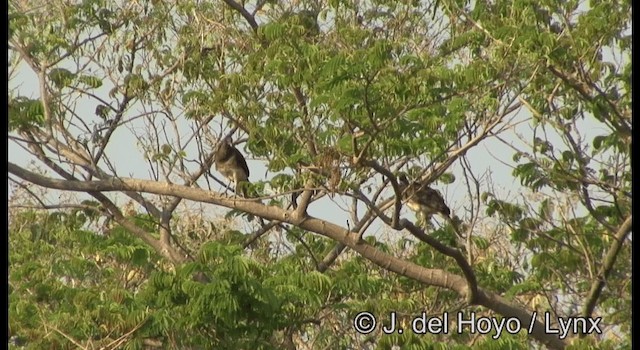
[225, 143]
[402, 179]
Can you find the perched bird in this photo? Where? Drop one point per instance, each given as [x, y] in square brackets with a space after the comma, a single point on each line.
[423, 199]
[426, 201]
[232, 165]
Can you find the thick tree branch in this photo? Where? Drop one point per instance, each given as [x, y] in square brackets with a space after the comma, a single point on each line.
[331, 257]
[434, 277]
[163, 249]
[430, 276]
[605, 270]
[84, 161]
[467, 270]
[508, 310]
[247, 16]
[305, 199]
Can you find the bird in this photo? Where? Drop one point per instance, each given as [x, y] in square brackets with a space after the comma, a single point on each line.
[423, 199]
[232, 165]
[426, 201]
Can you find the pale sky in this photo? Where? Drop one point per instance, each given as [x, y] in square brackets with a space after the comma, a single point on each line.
[481, 157]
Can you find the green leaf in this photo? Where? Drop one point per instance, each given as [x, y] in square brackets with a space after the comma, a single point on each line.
[447, 178]
[61, 77]
[272, 31]
[140, 256]
[598, 141]
[90, 81]
[25, 113]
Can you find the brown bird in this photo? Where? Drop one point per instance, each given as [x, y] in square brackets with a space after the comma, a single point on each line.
[426, 201]
[232, 165]
[423, 199]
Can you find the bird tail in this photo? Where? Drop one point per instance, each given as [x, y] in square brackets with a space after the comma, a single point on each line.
[454, 224]
[242, 187]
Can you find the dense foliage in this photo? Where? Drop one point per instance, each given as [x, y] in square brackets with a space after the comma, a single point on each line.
[332, 100]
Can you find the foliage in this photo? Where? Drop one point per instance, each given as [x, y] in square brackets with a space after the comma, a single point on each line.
[332, 99]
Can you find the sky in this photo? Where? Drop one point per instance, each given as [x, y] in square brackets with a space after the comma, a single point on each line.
[130, 163]
[485, 158]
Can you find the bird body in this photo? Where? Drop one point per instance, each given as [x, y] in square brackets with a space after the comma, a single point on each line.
[423, 199]
[232, 165]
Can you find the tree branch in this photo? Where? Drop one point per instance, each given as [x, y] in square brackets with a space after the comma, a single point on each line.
[467, 270]
[165, 250]
[83, 160]
[331, 257]
[434, 277]
[397, 204]
[247, 16]
[605, 270]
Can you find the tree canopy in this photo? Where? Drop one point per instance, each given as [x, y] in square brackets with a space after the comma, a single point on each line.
[122, 235]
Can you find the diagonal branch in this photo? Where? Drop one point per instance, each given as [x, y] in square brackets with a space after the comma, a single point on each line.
[163, 249]
[94, 170]
[605, 270]
[397, 205]
[331, 257]
[586, 91]
[247, 16]
[434, 277]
